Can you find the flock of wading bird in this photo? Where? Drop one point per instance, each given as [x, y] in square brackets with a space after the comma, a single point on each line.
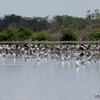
[79, 52]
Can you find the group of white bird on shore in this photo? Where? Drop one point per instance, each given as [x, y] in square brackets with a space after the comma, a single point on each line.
[80, 52]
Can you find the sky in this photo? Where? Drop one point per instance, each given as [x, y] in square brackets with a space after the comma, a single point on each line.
[42, 8]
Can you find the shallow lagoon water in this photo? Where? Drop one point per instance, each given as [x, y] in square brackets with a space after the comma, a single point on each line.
[48, 79]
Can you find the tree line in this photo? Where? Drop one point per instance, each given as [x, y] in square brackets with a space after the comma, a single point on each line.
[65, 27]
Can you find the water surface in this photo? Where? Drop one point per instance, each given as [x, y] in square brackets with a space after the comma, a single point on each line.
[48, 79]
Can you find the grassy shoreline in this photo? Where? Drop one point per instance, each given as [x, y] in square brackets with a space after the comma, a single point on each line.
[49, 42]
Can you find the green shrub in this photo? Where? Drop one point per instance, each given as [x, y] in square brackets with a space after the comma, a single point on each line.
[23, 33]
[42, 36]
[94, 35]
[68, 35]
[7, 34]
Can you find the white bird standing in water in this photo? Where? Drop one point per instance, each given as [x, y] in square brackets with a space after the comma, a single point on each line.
[63, 59]
[38, 59]
[80, 62]
[83, 60]
[14, 55]
[77, 64]
[89, 58]
[77, 70]
[26, 57]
